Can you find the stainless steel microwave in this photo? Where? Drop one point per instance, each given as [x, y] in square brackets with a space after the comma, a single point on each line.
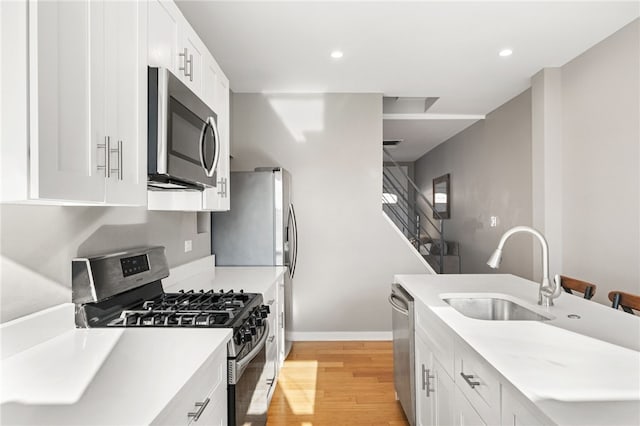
[184, 145]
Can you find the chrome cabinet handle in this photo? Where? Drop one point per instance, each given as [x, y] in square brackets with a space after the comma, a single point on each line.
[424, 380]
[202, 406]
[117, 151]
[104, 146]
[281, 319]
[120, 155]
[270, 381]
[467, 378]
[271, 339]
[190, 62]
[223, 187]
[429, 376]
[183, 68]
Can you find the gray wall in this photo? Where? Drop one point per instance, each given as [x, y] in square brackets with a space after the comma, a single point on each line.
[348, 251]
[601, 164]
[490, 168]
[38, 242]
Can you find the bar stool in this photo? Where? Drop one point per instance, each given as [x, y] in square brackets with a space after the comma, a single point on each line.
[584, 287]
[627, 301]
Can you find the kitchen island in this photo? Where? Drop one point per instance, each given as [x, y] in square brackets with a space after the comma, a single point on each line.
[581, 365]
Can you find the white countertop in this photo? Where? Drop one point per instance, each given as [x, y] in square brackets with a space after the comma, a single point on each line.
[96, 376]
[201, 275]
[576, 371]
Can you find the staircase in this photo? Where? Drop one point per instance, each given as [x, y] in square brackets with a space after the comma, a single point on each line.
[412, 212]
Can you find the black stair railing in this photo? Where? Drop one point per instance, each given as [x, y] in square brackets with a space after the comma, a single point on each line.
[412, 212]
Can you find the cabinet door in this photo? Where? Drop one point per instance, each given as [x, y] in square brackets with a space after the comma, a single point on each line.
[514, 413]
[443, 394]
[126, 102]
[215, 413]
[66, 143]
[210, 76]
[163, 34]
[465, 414]
[423, 364]
[222, 109]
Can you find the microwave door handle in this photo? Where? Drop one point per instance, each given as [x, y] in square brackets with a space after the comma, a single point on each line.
[216, 155]
[210, 123]
[203, 139]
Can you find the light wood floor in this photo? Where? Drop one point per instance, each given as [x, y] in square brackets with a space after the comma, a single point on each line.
[336, 383]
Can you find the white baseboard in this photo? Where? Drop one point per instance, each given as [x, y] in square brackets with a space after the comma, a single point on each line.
[324, 336]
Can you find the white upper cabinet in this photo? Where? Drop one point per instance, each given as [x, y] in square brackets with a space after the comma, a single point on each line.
[86, 90]
[126, 102]
[163, 32]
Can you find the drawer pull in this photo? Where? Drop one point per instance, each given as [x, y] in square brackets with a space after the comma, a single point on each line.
[467, 378]
[197, 414]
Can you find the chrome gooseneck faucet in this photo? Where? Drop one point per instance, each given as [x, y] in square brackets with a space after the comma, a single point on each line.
[546, 292]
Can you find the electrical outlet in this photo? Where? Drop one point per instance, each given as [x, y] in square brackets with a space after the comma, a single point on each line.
[188, 246]
[494, 221]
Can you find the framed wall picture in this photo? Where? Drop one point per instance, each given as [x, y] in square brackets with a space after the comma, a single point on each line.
[441, 198]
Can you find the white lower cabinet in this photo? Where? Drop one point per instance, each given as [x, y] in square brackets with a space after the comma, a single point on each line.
[434, 388]
[455, 386]
[465, 414]
[274, 298]
[281, 321]
[203, 399]
[515, 413]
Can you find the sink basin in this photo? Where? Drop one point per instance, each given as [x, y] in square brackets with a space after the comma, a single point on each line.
[493, 309]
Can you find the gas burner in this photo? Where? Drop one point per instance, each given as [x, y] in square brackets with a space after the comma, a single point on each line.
[171, 318]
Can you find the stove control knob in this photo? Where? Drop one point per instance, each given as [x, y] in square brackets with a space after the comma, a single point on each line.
[248, 333]
[259, 322]
[238, 338]
[253, 330]
[265, 308]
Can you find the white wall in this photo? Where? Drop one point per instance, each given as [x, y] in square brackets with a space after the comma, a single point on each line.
[37, 244]
[601, 164]
[348, 252]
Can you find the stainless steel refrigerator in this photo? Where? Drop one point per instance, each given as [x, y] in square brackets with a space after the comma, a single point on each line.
[260, 228]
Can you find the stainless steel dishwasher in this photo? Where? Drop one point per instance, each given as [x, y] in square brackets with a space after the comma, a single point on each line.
[403, 350]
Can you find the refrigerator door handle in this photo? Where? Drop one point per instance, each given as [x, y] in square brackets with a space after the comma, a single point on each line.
[294, 256]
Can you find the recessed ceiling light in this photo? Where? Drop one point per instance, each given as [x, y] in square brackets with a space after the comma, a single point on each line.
[337, 54]
[505, 52]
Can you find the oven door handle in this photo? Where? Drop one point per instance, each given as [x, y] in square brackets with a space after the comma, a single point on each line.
[242, 363]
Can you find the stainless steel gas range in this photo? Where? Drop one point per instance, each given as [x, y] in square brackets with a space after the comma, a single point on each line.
[124, 289]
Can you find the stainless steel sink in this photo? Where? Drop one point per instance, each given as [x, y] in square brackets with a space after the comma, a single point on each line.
[493, 309]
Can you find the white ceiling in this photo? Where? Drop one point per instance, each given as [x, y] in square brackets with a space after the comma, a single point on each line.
[432, 49]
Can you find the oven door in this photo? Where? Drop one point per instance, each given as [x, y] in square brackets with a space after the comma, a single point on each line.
[184, 144]
[248, 397]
